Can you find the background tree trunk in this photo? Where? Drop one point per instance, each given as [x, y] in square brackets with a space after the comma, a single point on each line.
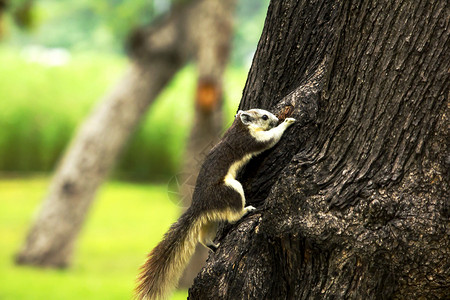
[353, 201]
[3, 8]
[157, 53]
[213, 44]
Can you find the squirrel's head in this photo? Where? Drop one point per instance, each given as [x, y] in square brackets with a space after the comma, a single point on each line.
[257, 119]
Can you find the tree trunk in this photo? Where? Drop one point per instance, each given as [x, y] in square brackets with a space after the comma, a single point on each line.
[157, 53]
[213, 43]
[3, 7]
[354, 200]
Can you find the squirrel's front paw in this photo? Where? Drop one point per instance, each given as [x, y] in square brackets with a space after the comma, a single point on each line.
[289, 121]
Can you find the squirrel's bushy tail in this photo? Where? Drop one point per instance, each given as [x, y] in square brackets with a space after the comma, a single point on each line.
[160, 273]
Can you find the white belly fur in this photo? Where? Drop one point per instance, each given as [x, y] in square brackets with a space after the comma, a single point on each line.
[230, 178]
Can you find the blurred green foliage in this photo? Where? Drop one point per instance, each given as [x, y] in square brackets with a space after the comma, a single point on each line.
[250, 16]
[41, 106]
[43, 101]
[103, 25]
[82, 24]
[112, 246]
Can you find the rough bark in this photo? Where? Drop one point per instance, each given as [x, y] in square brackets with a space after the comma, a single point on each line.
[157, 53]
[354, 201]
[212, 50]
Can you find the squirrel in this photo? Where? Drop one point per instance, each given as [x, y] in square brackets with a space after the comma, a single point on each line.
[217, 197]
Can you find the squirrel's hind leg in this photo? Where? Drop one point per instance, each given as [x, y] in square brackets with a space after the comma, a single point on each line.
[209, 229]
[207, 235]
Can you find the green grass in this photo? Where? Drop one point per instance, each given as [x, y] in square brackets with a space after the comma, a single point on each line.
[126, 221]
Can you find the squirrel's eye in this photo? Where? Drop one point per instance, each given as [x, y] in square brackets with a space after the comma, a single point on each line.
[265, 117]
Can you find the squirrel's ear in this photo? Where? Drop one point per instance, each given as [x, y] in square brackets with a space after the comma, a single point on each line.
[245, 118]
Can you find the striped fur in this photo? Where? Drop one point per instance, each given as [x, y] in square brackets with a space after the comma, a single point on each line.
[160, 273]
[218, 196]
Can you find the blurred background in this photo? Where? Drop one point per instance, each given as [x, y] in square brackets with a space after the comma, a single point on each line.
[58, 60]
